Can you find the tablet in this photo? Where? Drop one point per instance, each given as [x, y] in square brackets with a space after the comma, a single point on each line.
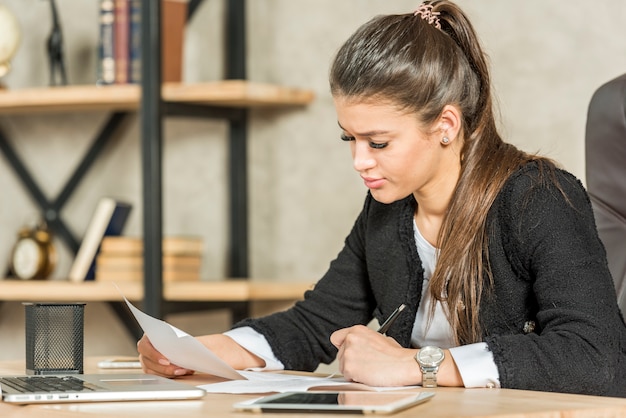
[358, 402]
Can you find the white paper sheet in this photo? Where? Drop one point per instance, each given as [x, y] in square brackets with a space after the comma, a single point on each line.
[181, 348]
[261, 382]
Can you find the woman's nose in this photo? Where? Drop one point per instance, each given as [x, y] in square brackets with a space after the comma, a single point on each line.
[361, 157]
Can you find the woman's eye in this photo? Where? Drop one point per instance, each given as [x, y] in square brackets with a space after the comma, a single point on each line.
[377, 145]
[374, 145]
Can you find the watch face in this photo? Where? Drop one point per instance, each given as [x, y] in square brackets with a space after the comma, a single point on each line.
[430, 356]
[27, 258]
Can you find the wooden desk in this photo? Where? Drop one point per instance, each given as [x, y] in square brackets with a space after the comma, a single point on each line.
[448, 402]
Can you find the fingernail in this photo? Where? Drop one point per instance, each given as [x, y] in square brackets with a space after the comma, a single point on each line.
[164, 362]
[180, 372]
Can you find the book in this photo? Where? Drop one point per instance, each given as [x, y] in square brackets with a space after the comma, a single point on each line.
[121, 27]
[106, 59]
[108, 219]
[121, 259]
[134, 47]
[173, 22]
[125, 276]
[116, 262]
[172, 245]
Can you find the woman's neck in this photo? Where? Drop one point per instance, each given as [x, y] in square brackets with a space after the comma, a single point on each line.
[433, 202]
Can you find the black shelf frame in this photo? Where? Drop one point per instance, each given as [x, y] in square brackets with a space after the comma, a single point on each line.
[153, 109]
[51, 208]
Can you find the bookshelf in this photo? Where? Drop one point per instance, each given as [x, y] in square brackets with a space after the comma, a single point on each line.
[227, 99]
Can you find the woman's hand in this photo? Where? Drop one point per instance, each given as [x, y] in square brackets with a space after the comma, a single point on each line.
[224, 347]
[153, 362]
[372, 358]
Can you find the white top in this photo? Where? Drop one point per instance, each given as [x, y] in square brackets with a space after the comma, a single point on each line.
[474, 361]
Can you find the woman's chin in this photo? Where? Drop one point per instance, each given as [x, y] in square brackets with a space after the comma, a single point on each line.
[385, 198]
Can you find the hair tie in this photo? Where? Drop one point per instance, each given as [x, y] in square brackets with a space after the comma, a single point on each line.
[425, 11]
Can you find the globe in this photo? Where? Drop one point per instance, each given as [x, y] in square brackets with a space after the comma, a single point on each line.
[9, 38]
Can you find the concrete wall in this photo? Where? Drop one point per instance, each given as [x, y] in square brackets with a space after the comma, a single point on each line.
[548, 56]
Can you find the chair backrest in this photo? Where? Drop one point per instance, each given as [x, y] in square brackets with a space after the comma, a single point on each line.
[605, 155]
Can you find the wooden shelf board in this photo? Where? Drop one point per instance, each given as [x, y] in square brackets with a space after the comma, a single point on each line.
[70, 98]
[202, 291]
[67, 291]
[236, 93]
[205, 291]
[273, 290]
[234, 290]
[126, 97]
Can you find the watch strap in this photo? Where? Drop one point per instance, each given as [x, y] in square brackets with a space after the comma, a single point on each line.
[429, 377]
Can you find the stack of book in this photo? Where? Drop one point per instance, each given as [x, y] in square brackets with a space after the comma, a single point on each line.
[121, 259]
[119, 50]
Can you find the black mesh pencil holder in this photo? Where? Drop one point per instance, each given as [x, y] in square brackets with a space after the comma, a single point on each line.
[54, 338]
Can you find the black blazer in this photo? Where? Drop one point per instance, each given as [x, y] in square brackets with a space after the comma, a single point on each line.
[551, 322]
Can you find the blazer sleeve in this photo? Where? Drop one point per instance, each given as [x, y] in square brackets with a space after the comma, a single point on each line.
[579, 341]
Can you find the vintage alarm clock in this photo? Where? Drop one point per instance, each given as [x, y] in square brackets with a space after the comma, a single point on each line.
[33, 255]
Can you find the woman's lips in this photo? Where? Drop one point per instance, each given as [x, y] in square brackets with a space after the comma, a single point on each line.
[372, 183]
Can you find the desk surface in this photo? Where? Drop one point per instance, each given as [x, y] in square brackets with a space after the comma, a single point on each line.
[448, 402]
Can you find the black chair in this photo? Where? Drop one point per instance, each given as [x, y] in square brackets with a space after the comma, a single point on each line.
[605, 148]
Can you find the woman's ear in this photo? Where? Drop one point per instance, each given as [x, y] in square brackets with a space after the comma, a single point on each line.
[449, 123]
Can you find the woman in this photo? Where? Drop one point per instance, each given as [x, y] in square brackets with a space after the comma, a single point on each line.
[494, 252]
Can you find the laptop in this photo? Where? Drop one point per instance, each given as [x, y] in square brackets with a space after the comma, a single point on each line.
[94, 387]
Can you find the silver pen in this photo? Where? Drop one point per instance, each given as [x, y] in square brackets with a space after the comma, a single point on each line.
[392, 318]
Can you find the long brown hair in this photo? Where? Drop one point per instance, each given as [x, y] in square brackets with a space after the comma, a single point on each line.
[421, 68]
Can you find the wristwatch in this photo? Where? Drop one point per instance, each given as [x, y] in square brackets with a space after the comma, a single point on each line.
[429, 358]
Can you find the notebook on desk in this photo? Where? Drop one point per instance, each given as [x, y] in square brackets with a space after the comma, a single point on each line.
[93, 388]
